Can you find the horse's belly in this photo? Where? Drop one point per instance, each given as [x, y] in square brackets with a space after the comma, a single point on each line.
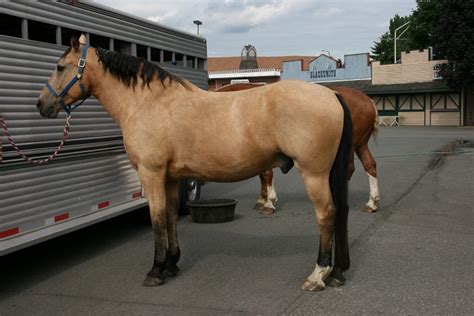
[224, 170]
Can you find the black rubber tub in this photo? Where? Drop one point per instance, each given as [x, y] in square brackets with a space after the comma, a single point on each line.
[212, 211]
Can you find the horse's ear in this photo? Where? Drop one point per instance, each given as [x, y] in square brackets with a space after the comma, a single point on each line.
[83, 39]
[74, 42]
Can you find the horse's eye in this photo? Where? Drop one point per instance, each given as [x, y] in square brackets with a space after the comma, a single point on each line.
[60, 68]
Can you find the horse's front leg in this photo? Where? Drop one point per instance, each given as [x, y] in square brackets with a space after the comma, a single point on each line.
[173, 254]
[154, 185]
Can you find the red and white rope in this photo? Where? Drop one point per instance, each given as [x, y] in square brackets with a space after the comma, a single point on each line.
[3, 124]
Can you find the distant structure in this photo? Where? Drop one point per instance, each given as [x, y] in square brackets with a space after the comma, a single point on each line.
[248, 57]
[411, 92]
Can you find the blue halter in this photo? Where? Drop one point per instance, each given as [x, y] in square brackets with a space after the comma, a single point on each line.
[80, 69]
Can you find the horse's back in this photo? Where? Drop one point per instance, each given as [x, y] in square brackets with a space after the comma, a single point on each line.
[363, 113]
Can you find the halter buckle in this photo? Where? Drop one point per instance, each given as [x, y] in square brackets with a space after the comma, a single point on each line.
[81, 63]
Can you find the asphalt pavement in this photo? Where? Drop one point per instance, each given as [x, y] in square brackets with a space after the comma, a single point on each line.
[414, 256]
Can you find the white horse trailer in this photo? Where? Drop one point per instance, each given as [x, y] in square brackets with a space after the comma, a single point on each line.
[91, 179]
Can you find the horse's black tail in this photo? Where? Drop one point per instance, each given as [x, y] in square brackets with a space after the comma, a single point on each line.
[339, 189]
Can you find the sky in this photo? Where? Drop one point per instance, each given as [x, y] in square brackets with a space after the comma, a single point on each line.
[275, 27]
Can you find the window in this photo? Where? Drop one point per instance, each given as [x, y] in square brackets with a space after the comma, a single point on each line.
[155, 54]
[41, 32]
[190, 61]
[141, 51]
[202, 64]
[167, 56]
[123, 47]
[66, 35]
[99, 41]
[179, 58]
[10, 25]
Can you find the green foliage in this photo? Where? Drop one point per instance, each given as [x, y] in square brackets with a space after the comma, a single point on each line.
[445, 25]
[455, 41]
[423, 24]
[383, 49]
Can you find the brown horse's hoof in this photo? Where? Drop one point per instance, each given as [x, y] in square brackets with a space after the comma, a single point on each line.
[268, 210]
[153, 281]
[313, 286]
[335, 278]
[368, 209]
[258, 206]
[170, 271]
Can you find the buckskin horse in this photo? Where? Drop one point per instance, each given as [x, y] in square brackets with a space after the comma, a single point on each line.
[235, 136]
[364, 125]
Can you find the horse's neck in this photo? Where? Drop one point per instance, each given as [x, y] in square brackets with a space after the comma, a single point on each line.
[119, 100]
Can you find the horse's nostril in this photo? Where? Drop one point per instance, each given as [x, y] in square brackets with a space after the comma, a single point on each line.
[38, 104]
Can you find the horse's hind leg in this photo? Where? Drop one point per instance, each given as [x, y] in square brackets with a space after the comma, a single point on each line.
[319, 193]
[263, 193]
[267, 200]
[370, 167]
[154, 185]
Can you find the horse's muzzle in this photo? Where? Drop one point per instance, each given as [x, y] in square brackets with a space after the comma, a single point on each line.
[49, 112]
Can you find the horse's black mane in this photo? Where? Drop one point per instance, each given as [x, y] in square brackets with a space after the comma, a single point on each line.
[127, 69]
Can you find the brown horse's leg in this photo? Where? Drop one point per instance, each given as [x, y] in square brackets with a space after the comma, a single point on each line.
[320, 194]
[154, 186]
[173, 254]
[268, 198]
[351, 167]
[370, 167]
[263, 193]
[272, 195]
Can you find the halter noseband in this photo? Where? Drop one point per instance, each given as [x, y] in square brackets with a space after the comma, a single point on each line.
[80, 69]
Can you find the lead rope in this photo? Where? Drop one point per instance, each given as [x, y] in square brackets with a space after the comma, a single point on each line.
[3, 124]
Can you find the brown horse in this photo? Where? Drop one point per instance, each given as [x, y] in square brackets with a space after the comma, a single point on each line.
[364, 125]
[236, 136]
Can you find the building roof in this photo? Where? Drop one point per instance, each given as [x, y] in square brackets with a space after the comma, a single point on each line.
[233, 63]
[413, 87]
[362, 85]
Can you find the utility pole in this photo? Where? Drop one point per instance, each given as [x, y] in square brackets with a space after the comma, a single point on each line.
[395, 40]
[197, 22]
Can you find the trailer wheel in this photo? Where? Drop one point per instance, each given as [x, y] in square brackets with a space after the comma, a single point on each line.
[189, 190]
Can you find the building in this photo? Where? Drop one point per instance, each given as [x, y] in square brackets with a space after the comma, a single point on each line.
[325, 68]
[224, 70]
[414, 91]
[411, 91]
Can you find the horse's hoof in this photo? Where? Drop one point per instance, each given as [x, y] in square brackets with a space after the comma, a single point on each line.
[368, 209]
[335, 279]
[170, 271]
[152, 281]
[268, 210]
[313, 286]
[258, 206]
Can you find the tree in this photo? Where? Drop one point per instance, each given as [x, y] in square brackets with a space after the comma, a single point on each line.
[424, 23]
[383, 49]
[454, 39]
[419, 35]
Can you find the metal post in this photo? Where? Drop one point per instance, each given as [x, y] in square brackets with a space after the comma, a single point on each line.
[197, 22]
[395, 40]
[24, 29]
